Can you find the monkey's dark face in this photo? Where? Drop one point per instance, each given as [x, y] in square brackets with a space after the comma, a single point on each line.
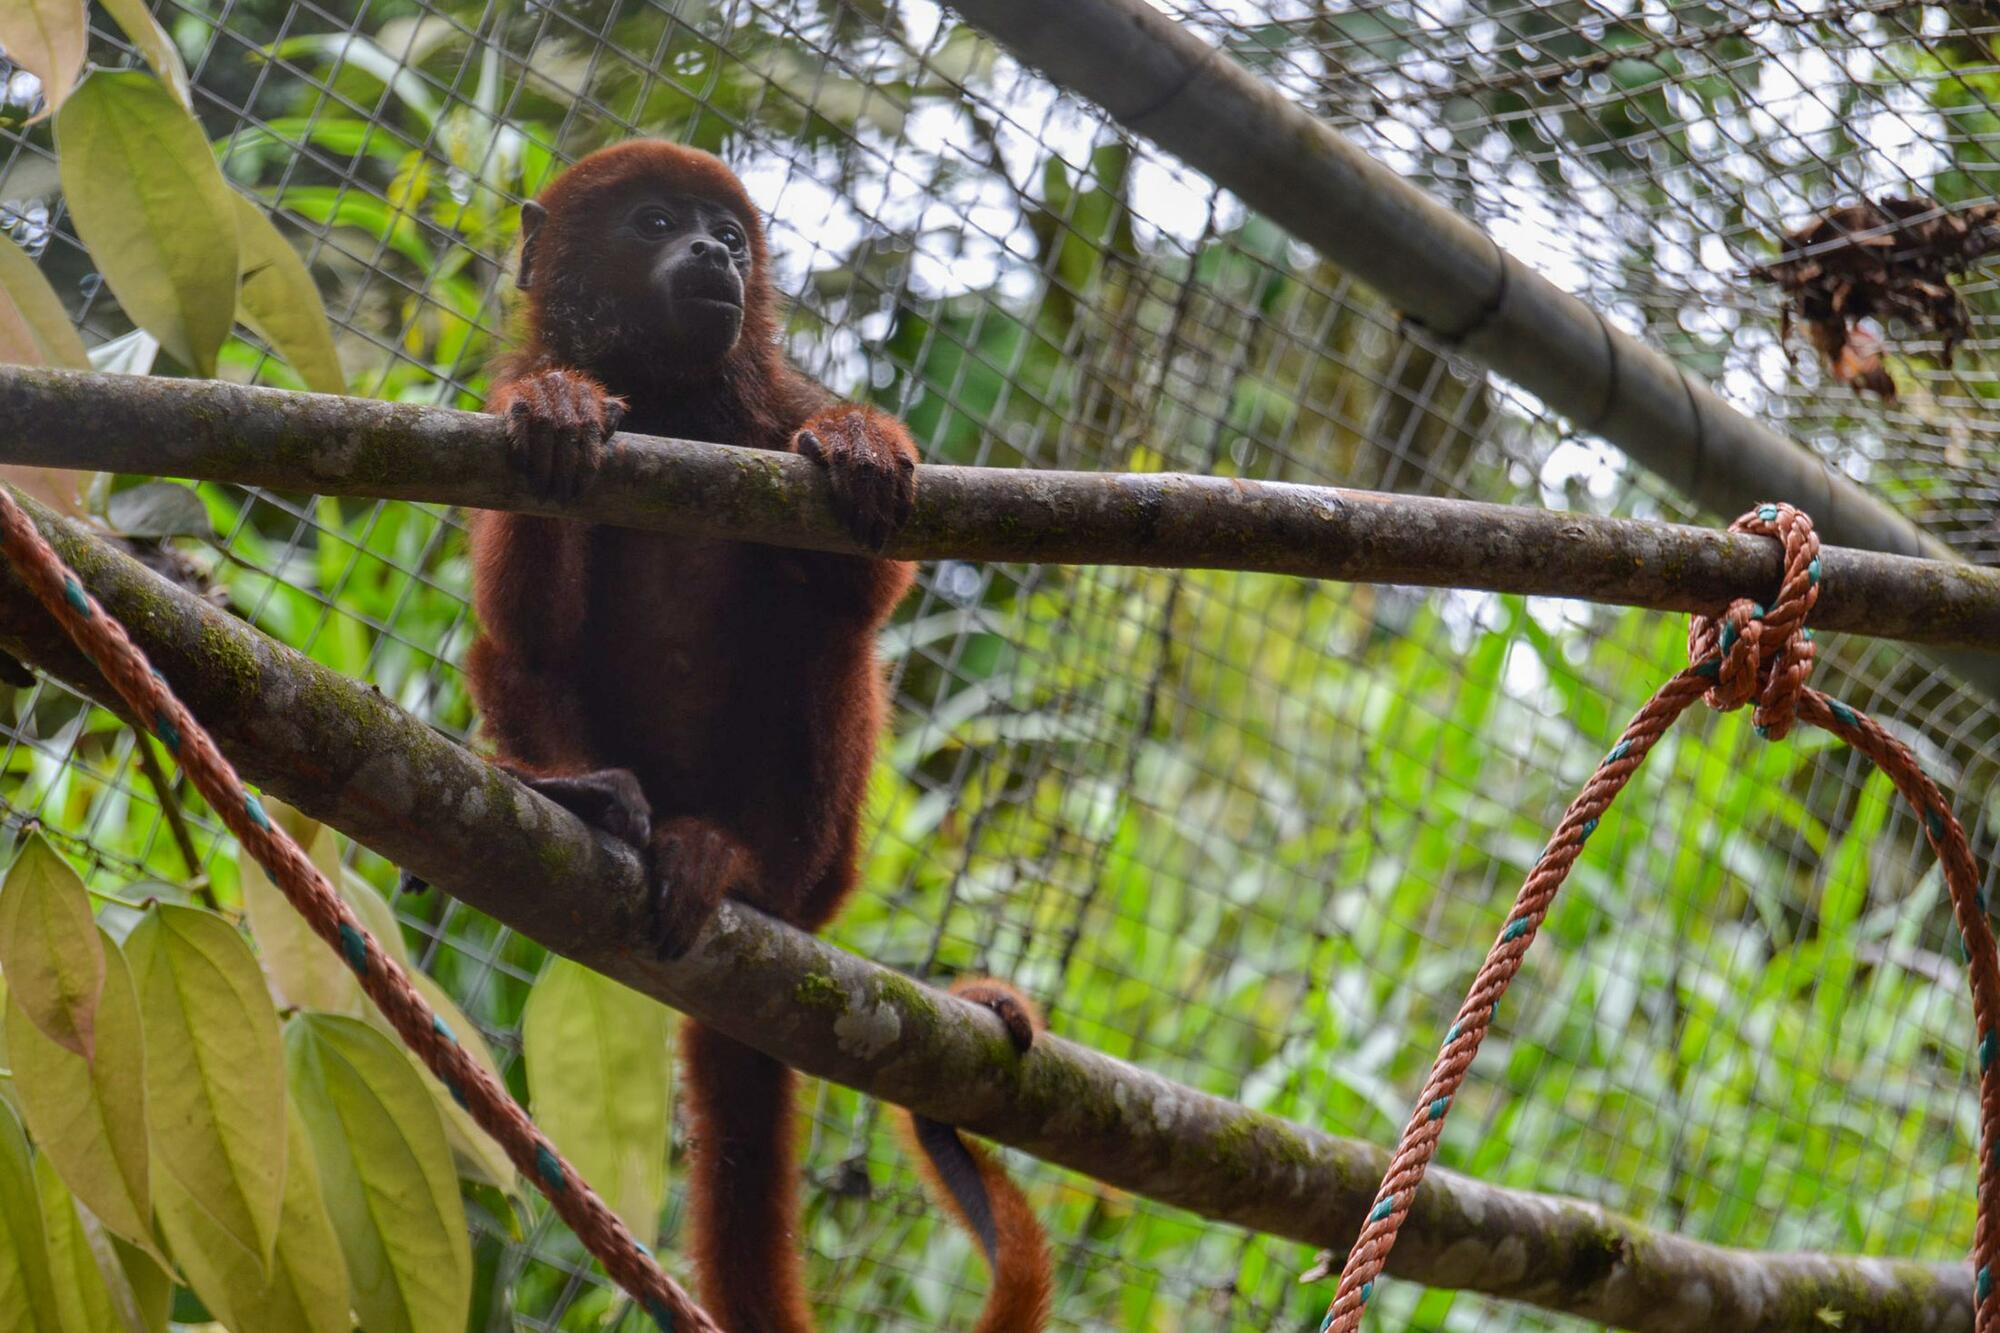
[694, 260]
[671, 270]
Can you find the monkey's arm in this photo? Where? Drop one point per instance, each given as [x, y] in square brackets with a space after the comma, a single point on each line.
[532, 573]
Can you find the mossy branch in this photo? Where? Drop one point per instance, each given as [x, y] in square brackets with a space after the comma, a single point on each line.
[345, 446]
[345, 754]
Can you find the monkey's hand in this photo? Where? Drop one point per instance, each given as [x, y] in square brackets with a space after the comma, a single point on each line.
[557, 423]
[871, 465]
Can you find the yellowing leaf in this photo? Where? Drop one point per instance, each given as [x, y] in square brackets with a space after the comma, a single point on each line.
[88, 1117]
[215, 1066]
[281, 302]
[34, 328]
[376, 915]
[49, 949]
[386, 1173]
[306, 972]
[145, 33]
[91, 1289]
[305, 1289]
[599, 1077]
[46, 38]
[150, 203]
[27, 1294]
[479, 1157]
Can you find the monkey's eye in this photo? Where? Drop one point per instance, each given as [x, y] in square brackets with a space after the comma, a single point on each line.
[730, 236]
[654, 222]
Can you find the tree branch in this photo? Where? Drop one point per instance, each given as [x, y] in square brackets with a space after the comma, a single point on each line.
[347, 446]
[344, 754]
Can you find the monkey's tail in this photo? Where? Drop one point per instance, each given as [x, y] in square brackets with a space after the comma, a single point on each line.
[745, 1185]
[987, 1203]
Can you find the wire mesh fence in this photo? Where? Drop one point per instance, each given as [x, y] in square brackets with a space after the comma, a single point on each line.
[1251, 832]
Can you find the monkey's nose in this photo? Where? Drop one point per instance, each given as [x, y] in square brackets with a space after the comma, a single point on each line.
[710, 252]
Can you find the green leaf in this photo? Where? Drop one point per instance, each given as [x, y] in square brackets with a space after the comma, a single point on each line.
[158, 509]
[215, 1065]
[353, 51]
[386, 1171]
[304, 1287]
[479, 1157]
[600, 1076]
[150, 203]
[27, 1293]
[151, 39]
[34, 328]
[49, 948]
[91, 1289]
[279, 299]
[376, 915]
[46, 38]
[89, 1116]
[152, 1286]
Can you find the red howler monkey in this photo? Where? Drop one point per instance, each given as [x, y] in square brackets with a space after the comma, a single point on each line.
[714, 703]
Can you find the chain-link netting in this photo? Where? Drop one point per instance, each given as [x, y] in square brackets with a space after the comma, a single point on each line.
[1253, 833]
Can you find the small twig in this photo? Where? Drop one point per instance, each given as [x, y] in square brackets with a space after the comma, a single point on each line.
[170, 806]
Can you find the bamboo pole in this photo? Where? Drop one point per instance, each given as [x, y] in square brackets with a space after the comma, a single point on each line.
[345, 755]
[346, 446]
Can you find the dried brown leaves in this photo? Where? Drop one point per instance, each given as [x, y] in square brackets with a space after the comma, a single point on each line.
[1886, 259]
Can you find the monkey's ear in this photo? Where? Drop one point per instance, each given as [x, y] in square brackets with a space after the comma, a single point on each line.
[533, 215]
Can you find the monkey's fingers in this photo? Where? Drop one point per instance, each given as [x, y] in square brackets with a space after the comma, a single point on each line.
[874, 484]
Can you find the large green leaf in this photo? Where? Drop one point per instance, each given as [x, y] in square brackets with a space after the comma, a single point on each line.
[27, 1295]
[479, 1157]
[386, 1172]
[47, 38]
[215, 1067]
[89, 1116]
[600, 1077]
[304, 1287]
[279, 299]
[150, 203]
[34, 328]
[92, 1291]
[49, 948]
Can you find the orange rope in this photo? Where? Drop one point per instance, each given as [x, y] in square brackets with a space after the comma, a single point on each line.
[1747, 654]
[145, 692]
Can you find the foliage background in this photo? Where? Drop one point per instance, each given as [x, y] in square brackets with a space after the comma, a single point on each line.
[1251, 832]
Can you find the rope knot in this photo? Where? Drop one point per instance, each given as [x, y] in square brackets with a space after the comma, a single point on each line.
[1764, 654]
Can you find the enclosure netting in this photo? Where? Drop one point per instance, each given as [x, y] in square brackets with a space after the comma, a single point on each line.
[1251, 832]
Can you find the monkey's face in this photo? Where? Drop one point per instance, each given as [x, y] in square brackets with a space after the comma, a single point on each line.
[691, 259]
[654, 271]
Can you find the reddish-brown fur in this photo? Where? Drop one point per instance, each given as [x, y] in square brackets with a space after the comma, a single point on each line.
[737, 683]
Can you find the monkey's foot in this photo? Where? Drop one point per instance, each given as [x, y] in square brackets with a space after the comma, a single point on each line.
[609, 799]
[1016, 1010]
[606, 798]
[557, 423]
[695, 864]
[872, 470]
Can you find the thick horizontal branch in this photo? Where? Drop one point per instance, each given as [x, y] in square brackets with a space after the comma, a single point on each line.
[346, 755]
[346, 446]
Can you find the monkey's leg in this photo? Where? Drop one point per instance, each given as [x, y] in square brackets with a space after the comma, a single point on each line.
[695, 864]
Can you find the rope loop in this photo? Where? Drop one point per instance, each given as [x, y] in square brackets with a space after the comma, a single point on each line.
[1765, 655]
[1745, 654]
